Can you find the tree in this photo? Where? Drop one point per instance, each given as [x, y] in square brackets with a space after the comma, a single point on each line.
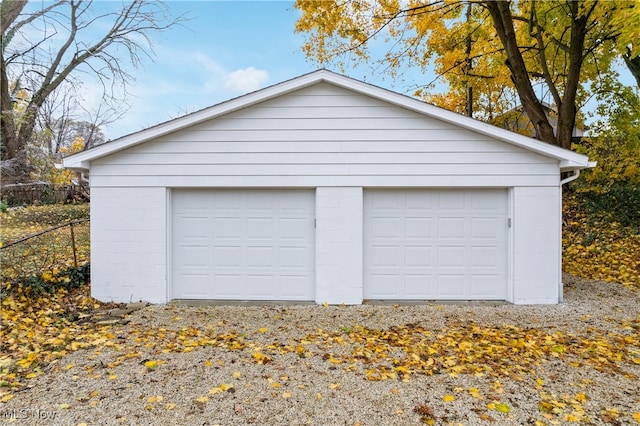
[73, 37]
[496, 48]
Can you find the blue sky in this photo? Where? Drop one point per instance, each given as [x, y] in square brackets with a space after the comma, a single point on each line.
[226, 49]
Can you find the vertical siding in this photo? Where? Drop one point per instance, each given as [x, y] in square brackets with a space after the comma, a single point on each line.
[128, 244]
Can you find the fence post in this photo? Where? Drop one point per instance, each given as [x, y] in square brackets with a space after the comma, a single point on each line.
[73, 246]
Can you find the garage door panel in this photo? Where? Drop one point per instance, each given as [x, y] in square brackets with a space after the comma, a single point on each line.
[192, 257]
[416, 201]
[260, 229]
[452, 286]
[486, 201]
[293, 229]
[260, 287]
[260, 257]
[228, 286]
[451, 257]
[442, 244]
[250, 242]
[419, 286]
[384, 256]
[418, 256]
[190, 227]
[228, 228]
[385, 285]
[385, 227]
[486, 228]
[451, 228]
[486, 257]
[197, 284]
[451, 201]
[418, 228]
[483, 286]
[291, 287]
[294, 258]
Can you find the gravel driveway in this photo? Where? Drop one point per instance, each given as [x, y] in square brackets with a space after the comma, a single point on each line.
[355, 365]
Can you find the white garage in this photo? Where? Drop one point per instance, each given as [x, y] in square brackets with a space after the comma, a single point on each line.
[242, 244]
[435, 244]
[327, 189]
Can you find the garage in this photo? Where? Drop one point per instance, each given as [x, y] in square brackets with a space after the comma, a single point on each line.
[435, 244]
[242, 244]
[327, 189]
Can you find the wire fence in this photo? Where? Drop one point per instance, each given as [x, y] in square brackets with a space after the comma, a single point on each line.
[54, 255]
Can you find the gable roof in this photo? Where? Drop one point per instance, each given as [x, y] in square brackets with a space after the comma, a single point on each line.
[569, 160]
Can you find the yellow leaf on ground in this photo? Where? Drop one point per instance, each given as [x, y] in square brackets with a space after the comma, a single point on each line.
[286, 395]
[7, 398]
[236, 374]
[448, 398]
[502, 408]
[151, 365]
[202, 399]
[208, 363]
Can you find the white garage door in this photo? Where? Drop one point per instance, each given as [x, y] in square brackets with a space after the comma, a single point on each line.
[243, 244]
[435, 244]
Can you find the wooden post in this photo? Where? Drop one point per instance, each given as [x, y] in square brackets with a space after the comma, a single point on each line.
[73, 246]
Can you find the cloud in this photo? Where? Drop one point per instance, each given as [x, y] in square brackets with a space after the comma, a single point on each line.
[218, 79]
[246, 80]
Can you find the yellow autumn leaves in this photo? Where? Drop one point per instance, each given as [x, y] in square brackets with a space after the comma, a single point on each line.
[601, 250]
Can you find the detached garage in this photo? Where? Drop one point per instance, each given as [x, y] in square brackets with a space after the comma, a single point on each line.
[326, 189]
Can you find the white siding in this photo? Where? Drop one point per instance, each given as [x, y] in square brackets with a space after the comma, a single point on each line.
[324, 136]
[339, 143]
[536, 246]
[128, 244]
[339, 245]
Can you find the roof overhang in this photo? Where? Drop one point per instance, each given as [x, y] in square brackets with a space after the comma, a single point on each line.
[568, 160]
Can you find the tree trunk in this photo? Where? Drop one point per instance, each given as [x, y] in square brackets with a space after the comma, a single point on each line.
[567, 110]
[9, 12]
[501, 14]
[634, 66]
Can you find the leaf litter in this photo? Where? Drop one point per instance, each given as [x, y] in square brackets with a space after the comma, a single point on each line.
[406, 364]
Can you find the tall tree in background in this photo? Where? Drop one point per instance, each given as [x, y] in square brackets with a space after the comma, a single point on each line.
[44, 50]
[496, 48]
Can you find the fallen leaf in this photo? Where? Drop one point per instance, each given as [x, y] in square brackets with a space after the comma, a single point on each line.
[448, 398]
[151, 365]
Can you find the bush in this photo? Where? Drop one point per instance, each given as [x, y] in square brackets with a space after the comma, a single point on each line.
[619, 203]
[50, 281]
